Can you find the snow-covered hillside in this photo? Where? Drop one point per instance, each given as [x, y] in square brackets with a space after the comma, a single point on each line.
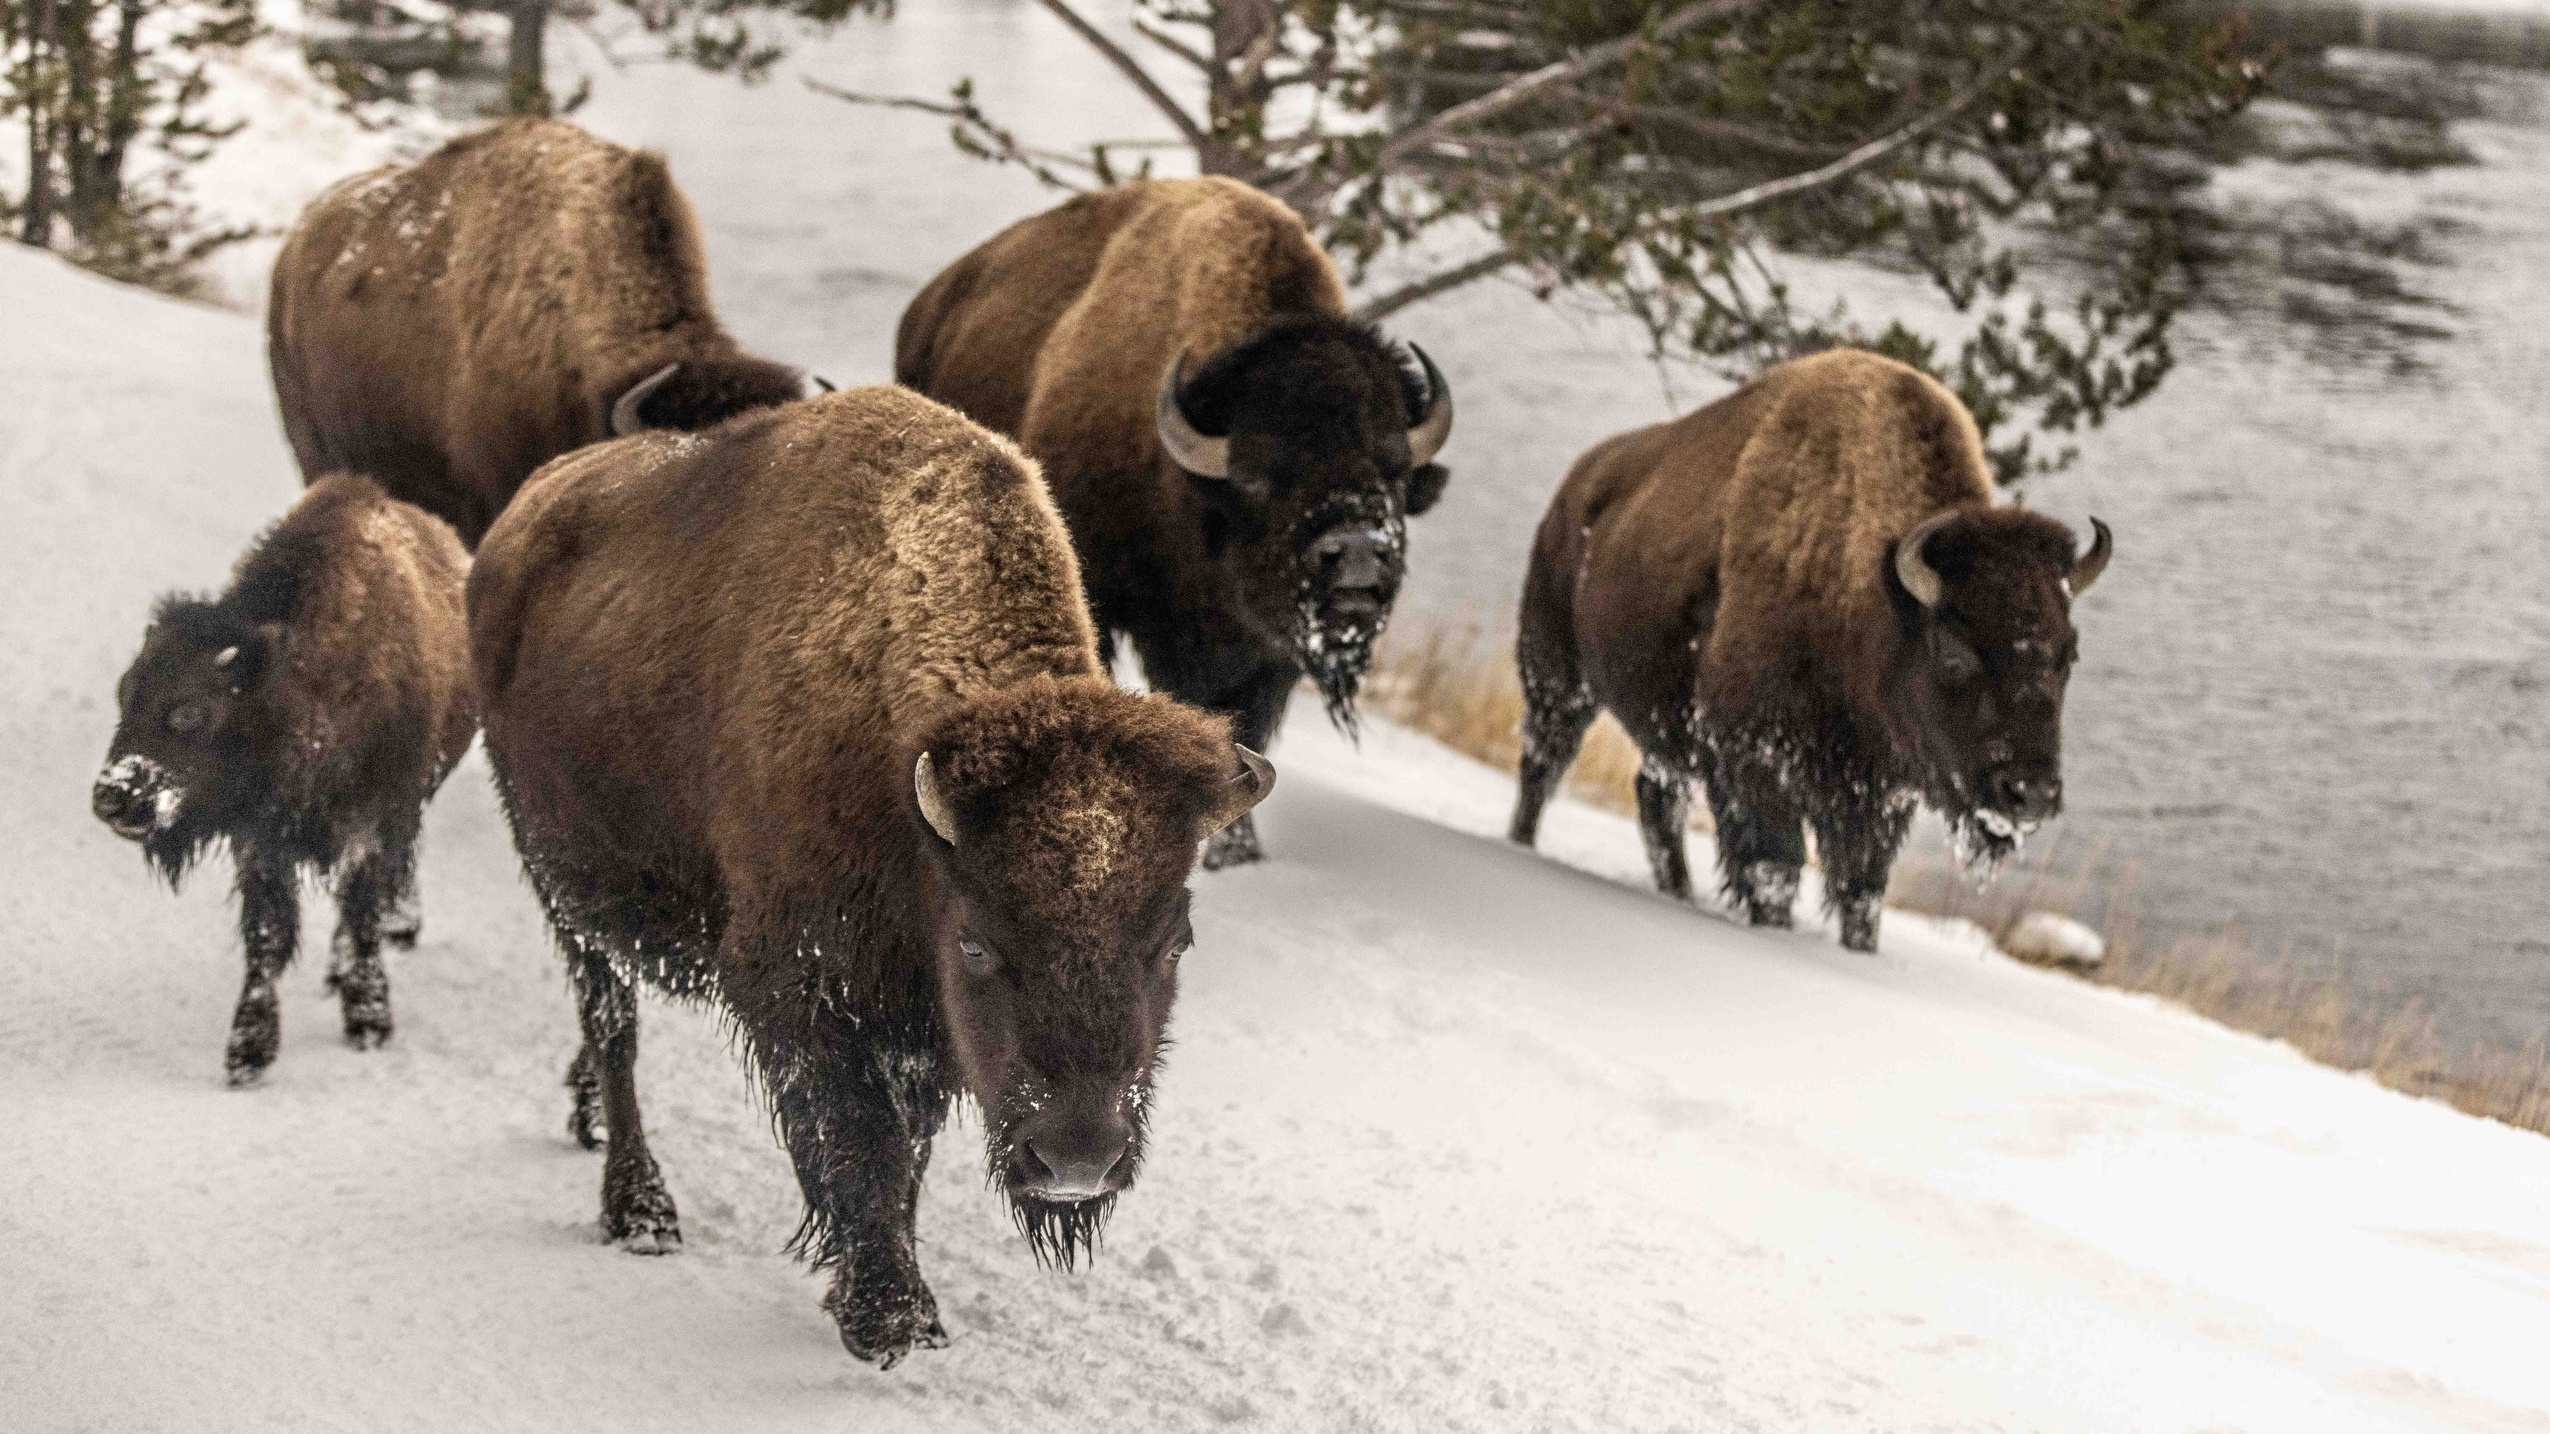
[1455, 1136]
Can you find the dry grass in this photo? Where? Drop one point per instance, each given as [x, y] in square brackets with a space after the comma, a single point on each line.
[1457, 686]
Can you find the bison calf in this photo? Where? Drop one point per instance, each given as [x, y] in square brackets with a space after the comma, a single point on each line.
[522, 291]
[304, 717]
[1803, 596]
[804, 716]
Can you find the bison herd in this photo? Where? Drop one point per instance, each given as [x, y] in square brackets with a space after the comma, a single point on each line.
[800, 705]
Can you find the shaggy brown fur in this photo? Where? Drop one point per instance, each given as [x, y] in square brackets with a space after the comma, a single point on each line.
[1725, 584]
[1059, 331]
[713, 666]
[452, 324]
[304, 716]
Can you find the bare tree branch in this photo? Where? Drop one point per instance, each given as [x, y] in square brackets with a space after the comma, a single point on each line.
[1517, 91]
[1205, 148]
[1377, 309]
[997, 140]
[1173, 45]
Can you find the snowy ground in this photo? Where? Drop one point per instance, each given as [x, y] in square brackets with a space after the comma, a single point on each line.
[1455, 1136]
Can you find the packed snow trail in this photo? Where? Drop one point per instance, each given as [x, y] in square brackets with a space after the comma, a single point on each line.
[1454, 1137]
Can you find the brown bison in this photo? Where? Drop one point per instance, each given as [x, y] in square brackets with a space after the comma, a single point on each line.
[1236, 459]
[804, 716]
[525, 290]
[1803, 595]
[304, 716]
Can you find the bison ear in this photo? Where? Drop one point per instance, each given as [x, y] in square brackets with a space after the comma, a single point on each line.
[1425, 487]
[1247, 787]
[253, 661]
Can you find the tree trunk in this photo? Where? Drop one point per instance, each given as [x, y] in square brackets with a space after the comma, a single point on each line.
[526, 63]
[37, 225]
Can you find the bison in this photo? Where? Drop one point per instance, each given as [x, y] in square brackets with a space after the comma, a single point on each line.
[527, 289]
[1236, 459]
[304, 717]
[804, 717]
[1803, 595]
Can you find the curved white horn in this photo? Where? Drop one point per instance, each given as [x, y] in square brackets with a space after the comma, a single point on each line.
[624, 414]
[2087, 567]
[1249, 786]
[1426, 439]
[1202, 456]
[1913, 569]
[934, 807]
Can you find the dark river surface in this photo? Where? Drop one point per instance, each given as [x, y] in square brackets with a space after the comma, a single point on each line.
[2314, 700]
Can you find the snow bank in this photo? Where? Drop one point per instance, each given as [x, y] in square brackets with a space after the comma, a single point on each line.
[1455, 1137]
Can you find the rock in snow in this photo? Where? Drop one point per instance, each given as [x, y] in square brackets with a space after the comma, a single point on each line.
[2045, 939]
[1521, 1145]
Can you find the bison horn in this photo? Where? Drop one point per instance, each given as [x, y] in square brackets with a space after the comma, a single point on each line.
[934, 807]
[1913, 569]
[2087, 567]
[1198, 454]
[1426, 439]
[624, 414]
[1249, 786]
[824, 385]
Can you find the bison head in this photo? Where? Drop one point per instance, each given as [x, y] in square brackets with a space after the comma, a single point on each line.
[194, 712]
[1064, 817]
[1985, 595]
[1312, 443]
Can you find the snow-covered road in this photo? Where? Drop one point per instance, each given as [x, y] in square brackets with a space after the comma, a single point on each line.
[1454, 1137]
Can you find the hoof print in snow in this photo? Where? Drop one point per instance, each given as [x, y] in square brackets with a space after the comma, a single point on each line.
[1283, 1320]
[1156, 1265]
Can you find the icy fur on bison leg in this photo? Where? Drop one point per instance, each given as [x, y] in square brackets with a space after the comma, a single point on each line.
[1859, 837]
[1761, 839]
[1233, 845]
[857, 1119]
[584, 1122]
[1664, 809]
[270, 931]
[636, 1211]
[402, 913]
[1556, 712]
[362, 984]
[1257, 706]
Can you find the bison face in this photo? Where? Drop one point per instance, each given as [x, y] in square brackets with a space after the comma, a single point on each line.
[1064, 819]
[1986, 595]
[178, 772]
[1311, 444]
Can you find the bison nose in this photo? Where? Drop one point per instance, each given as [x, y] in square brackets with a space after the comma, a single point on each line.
[2028, 796]
[1352, 565]
[119, 806]
[1077, 1160]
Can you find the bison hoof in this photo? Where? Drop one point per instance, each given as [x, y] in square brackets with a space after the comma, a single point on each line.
[637, 1213]
[256, 1033]
[366, 1006]
[1764, 913]
[1233, 845]
[1859, 924]
[880, 1327]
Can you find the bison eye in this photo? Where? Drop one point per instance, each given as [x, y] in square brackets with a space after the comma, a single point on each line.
[186, 717]
[978, 962]
[1958, 664]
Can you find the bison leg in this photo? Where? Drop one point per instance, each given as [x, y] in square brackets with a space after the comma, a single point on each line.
[402, 914]
[270, 930]
[364, 892]
[584, 1122]
[1761, 838]
[1257, 709]
[1664, 813]
[858, 1124]
[1858, 842]
[636, 1211]
[1556, 712]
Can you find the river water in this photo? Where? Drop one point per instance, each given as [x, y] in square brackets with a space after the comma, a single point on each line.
[2314, 699]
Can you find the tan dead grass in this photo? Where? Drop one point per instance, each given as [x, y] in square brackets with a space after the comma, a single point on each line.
[1457, 686]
